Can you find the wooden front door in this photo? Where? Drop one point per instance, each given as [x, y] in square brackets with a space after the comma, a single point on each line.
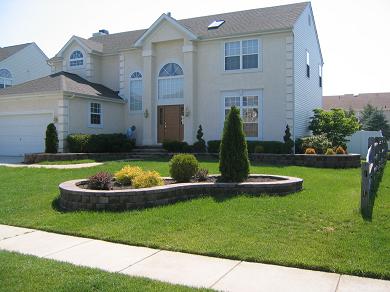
[170, 123]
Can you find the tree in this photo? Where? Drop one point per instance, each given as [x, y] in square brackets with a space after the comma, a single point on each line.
[373, 119]
[233, 156]
[288, 142]
[200, 144]
[336, 124]
[51, 141]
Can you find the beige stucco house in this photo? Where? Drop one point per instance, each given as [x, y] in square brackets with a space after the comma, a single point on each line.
[178, 74]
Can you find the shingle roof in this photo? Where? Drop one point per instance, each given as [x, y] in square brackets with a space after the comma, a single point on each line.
[96, 46]
[9, 51]
[357, 102]
[62, 81]
[236, 23]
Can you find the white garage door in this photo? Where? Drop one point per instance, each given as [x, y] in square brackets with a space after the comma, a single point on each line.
[23, 133]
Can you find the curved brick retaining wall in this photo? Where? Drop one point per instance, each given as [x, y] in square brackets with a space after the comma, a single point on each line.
[73, 197]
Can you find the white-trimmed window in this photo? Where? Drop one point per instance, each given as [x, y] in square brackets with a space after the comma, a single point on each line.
[242, 55]
[95, 114]
[249, 108]
[170, 82]
[76, 59]
[307, 64]
[5, 78]
[320, 75]
[136, 92]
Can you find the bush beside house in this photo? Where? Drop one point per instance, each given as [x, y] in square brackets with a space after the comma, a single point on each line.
[102, 143]
[51, 140]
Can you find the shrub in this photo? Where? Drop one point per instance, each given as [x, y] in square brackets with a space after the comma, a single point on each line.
[201, 174]
[127, 174]
[100, 181]
[310, 151]
[176, 146]
[330, 151]
[233, 155]
[147, 179]
[288, 142]
[182, 167]
[101, 143]
[213, 146]
[319, 142]
[51, 140]
[275, 147]
[340, 150]
[259, 149]
[200, 145]
[298, 146]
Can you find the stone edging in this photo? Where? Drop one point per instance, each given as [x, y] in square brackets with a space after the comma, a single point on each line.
[73, 197]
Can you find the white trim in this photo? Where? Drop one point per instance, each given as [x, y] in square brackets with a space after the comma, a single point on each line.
[97, 126]
[68, 43]
[188, 48]
[152, 28]
[22, 113]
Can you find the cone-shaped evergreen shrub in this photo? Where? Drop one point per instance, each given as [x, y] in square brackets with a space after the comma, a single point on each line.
[51, 141]
[233, 155]
[288, 142]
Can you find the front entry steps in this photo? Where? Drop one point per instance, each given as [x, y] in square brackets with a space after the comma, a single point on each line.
[148, 152]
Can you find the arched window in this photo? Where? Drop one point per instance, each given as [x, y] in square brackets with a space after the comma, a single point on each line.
[136, 91]
[5, 78]
[170, 82]
[76, 59]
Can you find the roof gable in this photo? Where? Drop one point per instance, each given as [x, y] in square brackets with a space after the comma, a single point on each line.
[88, 45]
[158, 22]
[7, 52]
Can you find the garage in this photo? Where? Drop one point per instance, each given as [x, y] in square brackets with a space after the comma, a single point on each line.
[23, 133]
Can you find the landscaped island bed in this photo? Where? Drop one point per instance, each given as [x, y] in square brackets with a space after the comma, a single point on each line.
[318, 228]
[75, 195]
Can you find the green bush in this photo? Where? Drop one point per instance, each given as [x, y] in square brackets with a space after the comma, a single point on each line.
[182, 167]
[288, 142]
[202, 174]
[319, 142]
[176, 147]
[233, 155]
[200, 145]
[213, 146]
[330, 151]
[51, 140]
[259, 149]
[274, 147]
[101, 143]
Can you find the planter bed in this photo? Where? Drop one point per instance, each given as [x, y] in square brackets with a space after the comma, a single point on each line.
[74, 197]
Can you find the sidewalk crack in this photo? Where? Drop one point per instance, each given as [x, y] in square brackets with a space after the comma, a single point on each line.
[27, 232]
[224, 275]
[61, 250]
[338, 283]
[139, 261]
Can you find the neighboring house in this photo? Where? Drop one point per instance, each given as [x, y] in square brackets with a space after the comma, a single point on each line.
[178, 74]
[357, 102]
[22, 63]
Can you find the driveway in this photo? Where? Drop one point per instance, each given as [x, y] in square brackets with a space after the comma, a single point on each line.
[11, 159]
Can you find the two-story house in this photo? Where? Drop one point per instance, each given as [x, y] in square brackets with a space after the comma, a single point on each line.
[177, 74]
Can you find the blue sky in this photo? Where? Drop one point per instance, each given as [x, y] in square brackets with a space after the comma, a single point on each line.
[354, 34]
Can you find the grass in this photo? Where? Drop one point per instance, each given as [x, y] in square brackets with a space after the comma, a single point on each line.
[63, 162]
[319, 228]
[28, 273]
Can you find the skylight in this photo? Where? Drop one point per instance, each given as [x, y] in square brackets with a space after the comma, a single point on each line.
[216, 24]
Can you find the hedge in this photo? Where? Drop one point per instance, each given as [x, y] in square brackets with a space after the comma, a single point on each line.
[275, 147]
[102, 143]
[177, 147]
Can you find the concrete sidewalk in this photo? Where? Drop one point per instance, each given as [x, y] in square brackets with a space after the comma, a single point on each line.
[53, 166]
[179, 268]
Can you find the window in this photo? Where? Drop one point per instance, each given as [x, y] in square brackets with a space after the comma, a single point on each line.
[5, 78]
[76, 59]
[136, 91]
[170, 82]
[242, 55]
[320, 75]
[216, 24]
[95, 113]
[249, 108]
[307, 64]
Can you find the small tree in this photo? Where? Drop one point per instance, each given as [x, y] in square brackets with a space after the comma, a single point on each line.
[200, 144]
[373, 119]
[233, 156]
[51, 140]
[288, 142]
[335, 124]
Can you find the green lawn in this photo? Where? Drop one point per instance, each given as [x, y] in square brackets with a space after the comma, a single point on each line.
[318, 228]
[28, 273]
